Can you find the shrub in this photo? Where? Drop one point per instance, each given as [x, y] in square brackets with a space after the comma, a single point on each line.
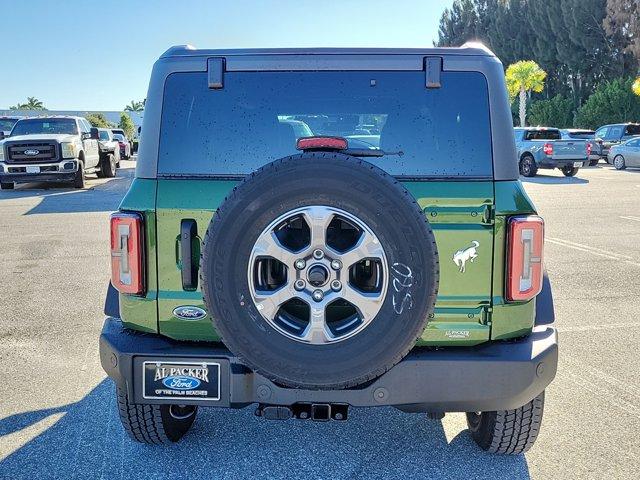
[556, 112]
[98, 120]
[127, 125]
[612, 102]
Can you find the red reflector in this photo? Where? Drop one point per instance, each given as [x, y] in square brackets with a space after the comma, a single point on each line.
[321, 143]
[126, 252]
[524, 257]
[548, 149]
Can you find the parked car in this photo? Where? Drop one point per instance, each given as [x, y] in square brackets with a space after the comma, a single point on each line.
[50, 149]
[626, 154]
[584, 134]
[125, 145]
[326, 271]
[542, 147]
[6, 124]
[609, 135]
[109, 146]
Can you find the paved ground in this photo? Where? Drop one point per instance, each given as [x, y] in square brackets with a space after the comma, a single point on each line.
[57, 412]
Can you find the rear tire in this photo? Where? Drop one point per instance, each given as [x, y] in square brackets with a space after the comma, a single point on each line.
[593, 163]
[79, 178]
[619, 162]
[508, 431]
[528, 167]
[6, 185]
[569, 171]
[154, 424]
[108, 166]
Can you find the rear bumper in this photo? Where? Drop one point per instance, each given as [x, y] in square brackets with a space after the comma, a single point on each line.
[493, 376]
[559, 163]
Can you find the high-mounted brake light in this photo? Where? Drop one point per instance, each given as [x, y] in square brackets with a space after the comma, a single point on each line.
[524, 257]
[322, 143]
[548, 149]
[126, 253]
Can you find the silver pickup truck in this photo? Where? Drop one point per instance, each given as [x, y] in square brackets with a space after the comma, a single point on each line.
[541, 147]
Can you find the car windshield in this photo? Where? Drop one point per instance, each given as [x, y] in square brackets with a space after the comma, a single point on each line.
[545, 134]
[34, 126]
[104, 135]
[6, 124]
[258, 116]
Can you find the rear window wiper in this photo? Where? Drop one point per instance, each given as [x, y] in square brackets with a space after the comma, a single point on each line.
[370, 152]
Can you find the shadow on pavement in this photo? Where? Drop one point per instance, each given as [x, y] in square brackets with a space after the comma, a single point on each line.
[60, 198]
[553, 180]
[89, 442]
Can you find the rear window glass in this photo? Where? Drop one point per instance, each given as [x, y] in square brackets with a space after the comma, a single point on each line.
[583, 135]
[258, 116]
[542, 135]
[632, 130]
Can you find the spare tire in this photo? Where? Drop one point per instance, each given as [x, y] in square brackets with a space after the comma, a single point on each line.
[320, 271]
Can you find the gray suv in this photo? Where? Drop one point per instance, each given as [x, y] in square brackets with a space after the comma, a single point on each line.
[614, 134]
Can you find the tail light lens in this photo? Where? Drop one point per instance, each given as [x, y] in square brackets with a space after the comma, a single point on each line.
[548, 149]
[126, 252]
[524, 258]
[588, 148]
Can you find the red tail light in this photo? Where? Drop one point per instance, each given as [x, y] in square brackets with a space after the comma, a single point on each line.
[126, 252]
[588, 149]
[321, 143]
[524, 258]
[548, 149]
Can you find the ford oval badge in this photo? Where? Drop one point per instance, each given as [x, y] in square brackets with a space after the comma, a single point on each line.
[189, 312]
[32, 152]
[177, 382]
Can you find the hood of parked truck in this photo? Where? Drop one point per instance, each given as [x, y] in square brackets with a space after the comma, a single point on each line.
[62, 137]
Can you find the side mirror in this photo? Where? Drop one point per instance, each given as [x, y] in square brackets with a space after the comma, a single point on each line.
[94, 135]
[2, 137]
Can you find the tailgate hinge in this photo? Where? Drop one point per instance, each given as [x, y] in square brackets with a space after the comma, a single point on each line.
[489, 215]
[432, 69]
[215, 72]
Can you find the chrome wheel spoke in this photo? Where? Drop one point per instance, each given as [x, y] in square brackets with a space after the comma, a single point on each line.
[317, 331]
[318, 219]
[268, 303]
[268, 245]
[367, 246]
[367, 303]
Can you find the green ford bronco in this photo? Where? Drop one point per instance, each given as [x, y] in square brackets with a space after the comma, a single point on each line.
[319, 229]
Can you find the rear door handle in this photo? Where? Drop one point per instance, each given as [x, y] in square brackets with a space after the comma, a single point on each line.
[188, 233]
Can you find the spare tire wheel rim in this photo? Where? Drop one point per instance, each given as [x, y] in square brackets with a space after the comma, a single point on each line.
[318, 275]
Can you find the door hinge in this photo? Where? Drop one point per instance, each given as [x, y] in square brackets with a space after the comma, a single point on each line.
[489, 215]
[215, 72]
[432, 69]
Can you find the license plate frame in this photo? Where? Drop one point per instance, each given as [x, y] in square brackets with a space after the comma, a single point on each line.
[32, 169]
[156, 383]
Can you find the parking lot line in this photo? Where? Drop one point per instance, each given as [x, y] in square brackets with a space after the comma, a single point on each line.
[594, 251]
[637, 219]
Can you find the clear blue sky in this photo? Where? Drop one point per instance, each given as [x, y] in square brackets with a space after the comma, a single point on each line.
[90, 55]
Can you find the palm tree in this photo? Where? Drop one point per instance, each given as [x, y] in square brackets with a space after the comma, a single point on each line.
[32, 104]
[135, 106]
[636, 86]
[523, 77]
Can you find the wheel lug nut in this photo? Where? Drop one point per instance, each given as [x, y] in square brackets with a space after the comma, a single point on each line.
[300, 264]
[318, 254]
[317, 295]
[299, 285]
[336, 264]
[336, 285]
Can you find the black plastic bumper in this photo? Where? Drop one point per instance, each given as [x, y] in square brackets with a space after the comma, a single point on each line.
[494, 376]
[37, 177]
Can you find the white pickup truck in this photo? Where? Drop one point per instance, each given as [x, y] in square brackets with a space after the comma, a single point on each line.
[50, 149]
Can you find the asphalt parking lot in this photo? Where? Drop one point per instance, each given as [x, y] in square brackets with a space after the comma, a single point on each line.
[57, 411]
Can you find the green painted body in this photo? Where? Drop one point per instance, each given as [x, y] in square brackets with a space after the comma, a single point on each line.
[470, 307]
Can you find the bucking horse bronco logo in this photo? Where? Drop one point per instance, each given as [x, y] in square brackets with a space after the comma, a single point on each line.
[470, 253]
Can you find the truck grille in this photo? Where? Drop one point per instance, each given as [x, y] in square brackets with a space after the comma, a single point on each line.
[46, 152]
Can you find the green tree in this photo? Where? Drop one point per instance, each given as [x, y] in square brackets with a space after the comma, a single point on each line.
[32, 104]
[127, 125]
[556, 112]
[635, 87]
[612, 102]
[523, 77]
[135, 106]
[98, 120]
